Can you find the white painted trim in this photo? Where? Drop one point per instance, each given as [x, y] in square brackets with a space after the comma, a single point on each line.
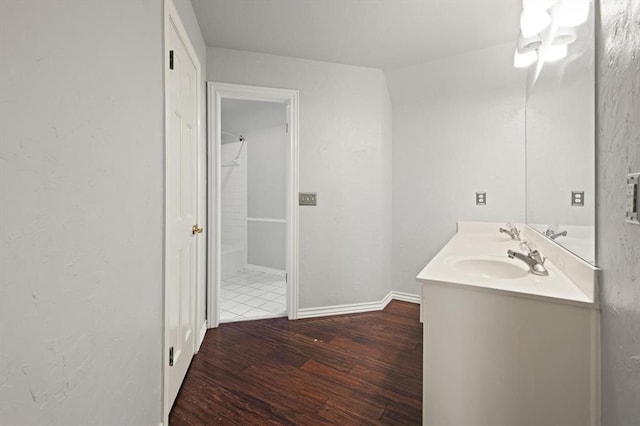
[421, 304]
[172, 17]
[259, 268]
[388, 298]
[265, 220]
[214, 218]
[293, 118]
[216, 92]
[353, 308]
[406, 297]
[356, 308]
[203, 331]
[596, 369]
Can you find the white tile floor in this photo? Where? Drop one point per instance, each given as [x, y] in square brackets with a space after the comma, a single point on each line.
[250, 295]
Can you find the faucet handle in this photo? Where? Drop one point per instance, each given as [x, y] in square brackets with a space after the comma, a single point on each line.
[528, 247]
[532, 251]
[552, 229]
[515, 232]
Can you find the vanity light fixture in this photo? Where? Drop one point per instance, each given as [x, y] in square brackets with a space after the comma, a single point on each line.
[523, 60]
[547, 27]
[572, 13]
[529, 44]
[526, 52]
[534, 21]
[535, 17]
[555, 53]
[564, 36]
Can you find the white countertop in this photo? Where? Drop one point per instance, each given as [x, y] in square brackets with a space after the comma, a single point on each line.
[483, 241]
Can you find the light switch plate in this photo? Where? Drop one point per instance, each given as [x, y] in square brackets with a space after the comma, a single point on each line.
[633, 179]
[481, 198]
[308, 198]
[577, 198]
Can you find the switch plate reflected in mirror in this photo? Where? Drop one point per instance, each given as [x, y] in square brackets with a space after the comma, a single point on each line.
[632, 198]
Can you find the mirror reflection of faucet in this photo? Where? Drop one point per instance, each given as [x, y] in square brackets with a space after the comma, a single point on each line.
[533, 258]
[553, 232]
[513, 232]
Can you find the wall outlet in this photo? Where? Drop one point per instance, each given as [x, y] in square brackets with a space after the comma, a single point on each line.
[577, 198]
[307, 198]
[632, 198]
[481, 198]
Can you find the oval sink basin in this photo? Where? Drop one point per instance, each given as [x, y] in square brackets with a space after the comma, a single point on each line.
[491, 268]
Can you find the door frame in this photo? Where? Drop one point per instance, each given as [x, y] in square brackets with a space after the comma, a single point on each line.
[172, 18]
[216, 91]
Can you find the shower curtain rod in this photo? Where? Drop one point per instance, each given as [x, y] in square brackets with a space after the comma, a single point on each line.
[242, 140]
[240, 137]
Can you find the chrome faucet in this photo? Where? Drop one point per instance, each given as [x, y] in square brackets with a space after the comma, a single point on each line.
[533, 258]
[512, 232]
[553, 232]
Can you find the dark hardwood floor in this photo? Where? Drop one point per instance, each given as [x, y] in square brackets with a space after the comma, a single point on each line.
[342, 370]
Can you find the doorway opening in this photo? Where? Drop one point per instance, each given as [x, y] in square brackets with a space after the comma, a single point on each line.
[253, 185]
[253, 210]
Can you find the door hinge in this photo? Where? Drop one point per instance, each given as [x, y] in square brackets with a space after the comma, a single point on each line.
[171, 356]
[171, 59]
[286, 128]
[286, 277]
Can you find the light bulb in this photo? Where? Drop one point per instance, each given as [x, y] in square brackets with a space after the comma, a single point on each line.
[555, 53]
[526, 45]
[564, 36]
[572, 13]
[533, 22]
[523, 60]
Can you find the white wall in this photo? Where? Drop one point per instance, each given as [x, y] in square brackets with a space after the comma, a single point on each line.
[234, 195]
[243, 116]
[267, 244]
[560, 151]
[345, 242]
[267, 180]
[618, 243]
[81, 222]
[267, 191]
[458, 128]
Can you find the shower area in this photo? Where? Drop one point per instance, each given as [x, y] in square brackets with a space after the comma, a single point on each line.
[253, 210]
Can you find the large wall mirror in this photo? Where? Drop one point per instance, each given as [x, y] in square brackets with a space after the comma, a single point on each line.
[560, 144]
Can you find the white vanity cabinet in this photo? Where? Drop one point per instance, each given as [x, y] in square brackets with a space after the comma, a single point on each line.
[507, 352]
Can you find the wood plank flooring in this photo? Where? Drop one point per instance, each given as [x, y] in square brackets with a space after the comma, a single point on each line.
[344, 370]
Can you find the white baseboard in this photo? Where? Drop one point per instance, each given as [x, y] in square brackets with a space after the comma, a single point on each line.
[203, 331]
[353, 308]
[356, 308]
[406, 297]
[259, 268]
[385, 301]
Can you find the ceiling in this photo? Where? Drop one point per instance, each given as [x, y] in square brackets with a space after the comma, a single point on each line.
[384, 34]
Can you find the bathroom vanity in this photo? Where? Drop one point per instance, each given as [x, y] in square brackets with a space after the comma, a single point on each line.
[503, 346]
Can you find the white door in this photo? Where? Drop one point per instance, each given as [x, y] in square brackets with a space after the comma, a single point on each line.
[181, 202]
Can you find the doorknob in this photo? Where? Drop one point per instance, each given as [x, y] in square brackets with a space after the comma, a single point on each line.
[195, 229]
